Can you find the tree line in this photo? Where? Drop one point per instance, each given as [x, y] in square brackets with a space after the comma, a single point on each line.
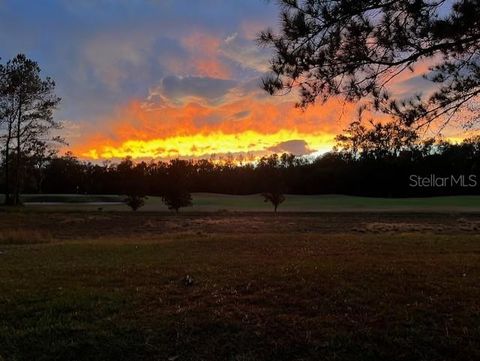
[370, 159]
[360, 165]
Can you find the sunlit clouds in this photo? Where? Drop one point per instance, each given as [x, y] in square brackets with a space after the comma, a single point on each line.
[177, 121]
[248, 145]
[165, 79]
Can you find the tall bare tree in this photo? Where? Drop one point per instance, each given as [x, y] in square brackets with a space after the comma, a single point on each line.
[27, 102]
[8, 115]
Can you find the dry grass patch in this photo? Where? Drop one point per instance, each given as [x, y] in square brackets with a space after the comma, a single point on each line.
[402, 227]
[24, 236]
[468, 225]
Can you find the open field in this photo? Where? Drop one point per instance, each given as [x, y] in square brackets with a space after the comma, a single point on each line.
[331, 286]
[207, 202]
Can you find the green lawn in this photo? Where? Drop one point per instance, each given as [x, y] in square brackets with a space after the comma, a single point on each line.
[259, 291]
[207, 202]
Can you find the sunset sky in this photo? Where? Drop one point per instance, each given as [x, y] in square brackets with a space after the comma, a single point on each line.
[168, 78]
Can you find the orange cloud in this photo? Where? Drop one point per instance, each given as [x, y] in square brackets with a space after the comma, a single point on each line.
[201, 145]
[240, 126]
[204, 50]
[207, 113]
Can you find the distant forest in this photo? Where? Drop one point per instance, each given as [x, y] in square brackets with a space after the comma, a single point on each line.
[364, 171]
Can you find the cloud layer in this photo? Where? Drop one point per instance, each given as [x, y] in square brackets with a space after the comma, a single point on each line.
[161, 79]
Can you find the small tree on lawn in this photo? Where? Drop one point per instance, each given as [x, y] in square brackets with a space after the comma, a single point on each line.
[276, 198]
[135, 201]
[176, 198]
[176, 194]
[271, 170]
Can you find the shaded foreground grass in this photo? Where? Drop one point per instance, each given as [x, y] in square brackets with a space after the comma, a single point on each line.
[258, 292]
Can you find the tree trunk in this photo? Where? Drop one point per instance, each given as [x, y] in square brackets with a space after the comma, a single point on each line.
[16, 196]
[7, 172]
[40, 180]
[8, 200]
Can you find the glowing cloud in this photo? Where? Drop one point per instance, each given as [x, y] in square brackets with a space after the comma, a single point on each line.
[248, 143]
[160, 79]
[187, 123]
[204, 50]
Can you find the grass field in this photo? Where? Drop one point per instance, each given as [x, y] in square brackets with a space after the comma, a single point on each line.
[206, 202]
[330, 286]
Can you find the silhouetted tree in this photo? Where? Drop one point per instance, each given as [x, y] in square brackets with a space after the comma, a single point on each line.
[36, 159]
[376, 140]
[27, 103]
[175, 198]
[65, 175]
[176, 194]
[275, 197]
[356, 48]
[7, 118]
[271, 169]
[131, 178]
[135, 201]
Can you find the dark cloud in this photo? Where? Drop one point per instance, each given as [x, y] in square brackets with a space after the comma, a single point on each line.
[295, 146]
[104, 53]
[211, 89]
[242, 114]
[211, 119]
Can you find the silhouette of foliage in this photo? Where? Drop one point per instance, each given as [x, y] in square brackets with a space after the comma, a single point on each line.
[363, 164]
[356, 48]
[135, 202]
[275, 197]
[27, 102]
[271, 169]
[175, 194]
[176, 198]
[376, 140]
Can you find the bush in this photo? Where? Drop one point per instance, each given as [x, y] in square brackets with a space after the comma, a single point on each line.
[176, 198]
[135, 201]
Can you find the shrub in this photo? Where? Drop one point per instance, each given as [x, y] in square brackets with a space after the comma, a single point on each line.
[135, 201]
